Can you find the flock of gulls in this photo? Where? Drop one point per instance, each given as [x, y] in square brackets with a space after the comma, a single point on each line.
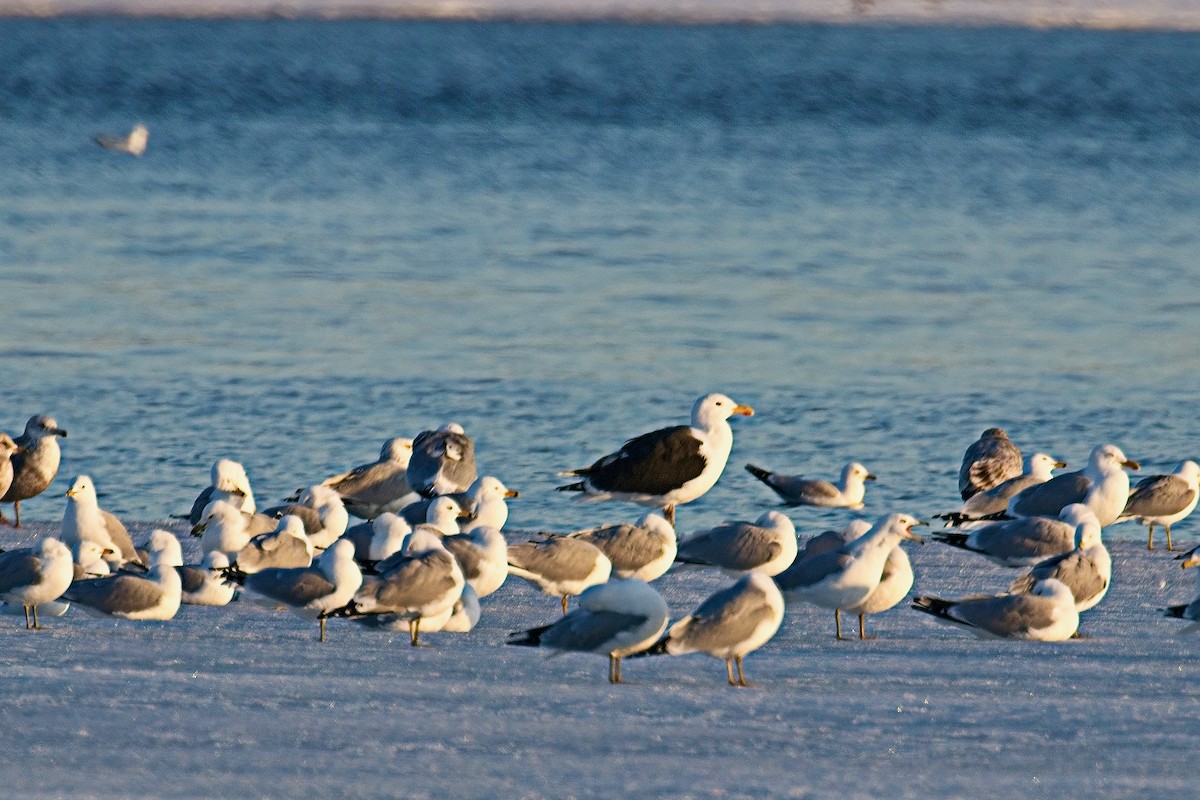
[430, 544]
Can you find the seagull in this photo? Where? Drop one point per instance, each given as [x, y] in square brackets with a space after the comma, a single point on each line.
[846, 577]
[1038, 469]
[644, 551]
[369, 490]
[988, 462]
[560, 567]
[443, 461]
[323, 512]
[767, 545]
[205, 585]
[1086, 570]
[482, 553]
[729, 625]
[798, 491]
[8, 448]
[32, 576]
[224, 529]
[462, 617]
[229, 483]
[1022, 542]
[666, 467]
[133, 143]
[35, 464]
[488, 506]
[615, 619]
[1165, 499]
[312, 591]
[422, 583]
[286, 546]
[376, 540]
[91, 560]
[154, 597]
[1189, 611]
[84, 519]
[1103, 485]
[1046, 614]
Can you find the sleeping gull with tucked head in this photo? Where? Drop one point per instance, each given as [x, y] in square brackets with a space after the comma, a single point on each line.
[442, 462]
[644, 551]
[794, 490]
[230, 483]
[614, 619]
[669, 466]
[286, 546]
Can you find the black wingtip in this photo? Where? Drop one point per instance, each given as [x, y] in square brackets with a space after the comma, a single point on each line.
[572, 487]
[659, 648]
[527, 638]
[1174, 611]
[758, 472]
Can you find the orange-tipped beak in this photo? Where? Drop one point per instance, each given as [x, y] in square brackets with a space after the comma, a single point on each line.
[745, 411]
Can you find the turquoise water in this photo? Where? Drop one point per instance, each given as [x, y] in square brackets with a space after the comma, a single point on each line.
[884, 239]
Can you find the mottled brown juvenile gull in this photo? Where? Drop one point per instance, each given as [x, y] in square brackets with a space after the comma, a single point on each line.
[767, 545]
[1039, 468]
[729, 625]
[669, 466]
[32, 576]
[988, 462]
[644, 551]
[844, 578]
[313, 591]
[614, 619]
[795, 490]
[1086, 570]
[560, 567]
[1021, 542]
[1164, 499]
[1046, 614]
[369, 490]
[35, 464]
[443, 461]
[1103, 486]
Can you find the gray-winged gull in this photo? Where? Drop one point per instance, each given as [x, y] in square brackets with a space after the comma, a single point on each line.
[154, 597]
[84, 519]
[614, 619]
[988, 462]
[1189, 611]
[1086, 570]
[1103, 486]
[795, 490]
[230, 483]
[482, 554]
[224, 529]
[844, 578]
[323, 512]
[729, 625]
[1021, 542]
[1164, 499]
[313, 591]
[767, 545]
[1038, 468]
[35, 465]
[645, 550]
[205, 584]
[1045, 614]
[559, 566]
[369, 490]
[669, 466]
[286, 546]
[32, 576]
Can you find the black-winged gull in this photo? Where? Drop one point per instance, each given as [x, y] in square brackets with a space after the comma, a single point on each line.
[31, 576]
[1164, 499]
[988, 462]
[615, 619]
[767, 545]
[35, 465]
[1046, 614]
[844, 578]
[669, 466]
[729, 625]
[795, 490]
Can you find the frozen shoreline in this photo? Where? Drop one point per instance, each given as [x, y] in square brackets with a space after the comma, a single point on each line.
[243, 701]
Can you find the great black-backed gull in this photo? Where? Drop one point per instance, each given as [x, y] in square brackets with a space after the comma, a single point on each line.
[666, 467]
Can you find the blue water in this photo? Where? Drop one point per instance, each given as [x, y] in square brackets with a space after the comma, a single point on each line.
[885, 239]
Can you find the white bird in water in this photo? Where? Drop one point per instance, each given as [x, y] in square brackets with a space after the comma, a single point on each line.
[796, 490]
[729, 625]
[32, 576]
[1164, 499]
[133, 143]
[767, 545]
[1046, 614]
[614, 619]
[669, 466]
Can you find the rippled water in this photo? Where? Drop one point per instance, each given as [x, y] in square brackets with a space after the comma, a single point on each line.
[559, 235]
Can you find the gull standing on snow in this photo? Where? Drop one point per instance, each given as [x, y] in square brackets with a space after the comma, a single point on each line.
[795, 490]
[369, 490]
[767, 545]
[1039, 468]
[644, 551]
[1103, 486]
[35, 464]
[666, 467]
[846, 577]
[1022, 542]
[614, 619]
[442, 462]
[1086, 570]
[313, 591]
[1165, 499]
[1046, 614]
[988, 462]
[729, 625]
[559, 566]
[32, 576]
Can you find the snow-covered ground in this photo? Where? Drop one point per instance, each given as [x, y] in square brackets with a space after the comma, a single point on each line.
[243, 702]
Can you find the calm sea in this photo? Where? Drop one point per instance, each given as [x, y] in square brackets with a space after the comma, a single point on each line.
[885, 239]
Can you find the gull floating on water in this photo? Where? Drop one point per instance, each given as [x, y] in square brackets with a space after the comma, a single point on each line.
[729, 625]
[1046, 614]
[1022, 542]
[666, 467]
[795, 490]
[32, 576]
[614, 619]
[767, 545]
[1164, 499]
[988, 462]
[559, 566]
[1039, 468]
[1103, 486]
[644, 551]
[35, 464]
[1086, 570]
[133, 143]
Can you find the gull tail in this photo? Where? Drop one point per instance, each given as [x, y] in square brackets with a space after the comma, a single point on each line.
[659, 648]
[933, 605]
[760, 473]
[572, 487]
[527, 638]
